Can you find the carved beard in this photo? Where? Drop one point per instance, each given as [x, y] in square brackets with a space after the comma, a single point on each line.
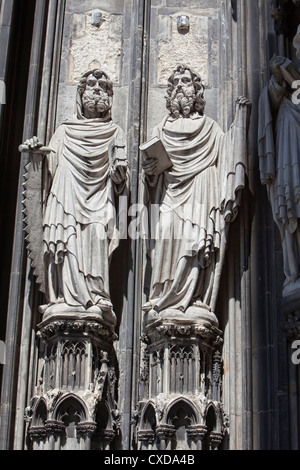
[99, 101]
[182, 101]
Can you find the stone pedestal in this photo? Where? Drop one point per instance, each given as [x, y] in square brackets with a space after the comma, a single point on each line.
[74, 405]
[291, 310]
[180, 385]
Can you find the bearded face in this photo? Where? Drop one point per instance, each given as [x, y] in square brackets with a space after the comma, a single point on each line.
[95, 98]
[183, 96]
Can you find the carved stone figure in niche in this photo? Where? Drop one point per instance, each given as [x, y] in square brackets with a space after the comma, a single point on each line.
[279, 150]
[198, 197]
[86, 171]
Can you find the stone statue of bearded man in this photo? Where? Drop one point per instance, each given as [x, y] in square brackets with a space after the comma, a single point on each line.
[86, 172]
[198, 197]
[278, 148]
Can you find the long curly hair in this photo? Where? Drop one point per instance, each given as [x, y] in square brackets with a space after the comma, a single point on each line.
[200, 102]
[81, 87]
[97, 74]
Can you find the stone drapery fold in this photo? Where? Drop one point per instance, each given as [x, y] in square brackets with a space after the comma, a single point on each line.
[280, 169]
[198, 196]
[80, 211]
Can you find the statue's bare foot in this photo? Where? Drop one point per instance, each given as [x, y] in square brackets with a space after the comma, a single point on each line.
[43, 308]
[105, 304]
[200, 304]
[147, 307]
[109, 316]
[152, 315]
[62, 307]
[94, 309]
[291, 287]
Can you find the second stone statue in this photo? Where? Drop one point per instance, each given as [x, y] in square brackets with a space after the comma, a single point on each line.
[198, 197]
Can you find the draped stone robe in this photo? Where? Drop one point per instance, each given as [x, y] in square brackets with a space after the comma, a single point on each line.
[279, 149]
[197, 199]
[79, 205]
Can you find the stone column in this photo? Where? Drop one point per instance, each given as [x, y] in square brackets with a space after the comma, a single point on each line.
[146, 439]
[165, 434]
[196, 434]
[85, 431]
[55, 429]
[38, 436]
[277, 307]
[280, 17]
[18, 266]
[215, 440]
[108, 439]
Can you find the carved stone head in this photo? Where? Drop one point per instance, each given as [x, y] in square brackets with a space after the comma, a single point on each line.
[95, 93]
[185, 94]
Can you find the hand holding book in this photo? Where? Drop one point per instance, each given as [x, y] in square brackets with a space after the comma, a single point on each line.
[284, 69]
[275, 64]
[156, 159]
[149, 166]
[289, 72]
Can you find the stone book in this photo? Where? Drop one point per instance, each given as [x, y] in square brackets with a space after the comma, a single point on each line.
[289, 72]
[117, 154]
[154, 148]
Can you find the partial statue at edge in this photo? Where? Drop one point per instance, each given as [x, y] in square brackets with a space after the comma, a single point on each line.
[279, 150]
[86, 171]
[198, 195]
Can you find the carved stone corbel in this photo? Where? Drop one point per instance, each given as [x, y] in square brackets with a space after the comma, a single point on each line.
[215, 440]
[108, 437]
[165, 433]
[55, 427]
[146, 438]
[86, 429]
[37, 433]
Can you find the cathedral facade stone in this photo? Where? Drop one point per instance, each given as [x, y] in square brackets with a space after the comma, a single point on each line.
[149, 211]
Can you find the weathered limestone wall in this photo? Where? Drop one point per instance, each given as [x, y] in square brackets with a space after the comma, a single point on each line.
[198, 48]
[86, 46]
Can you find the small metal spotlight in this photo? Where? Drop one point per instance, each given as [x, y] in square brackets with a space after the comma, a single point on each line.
[183, 23]
[96, 18]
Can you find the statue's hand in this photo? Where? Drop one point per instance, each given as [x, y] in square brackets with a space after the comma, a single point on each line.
[275, 64]
[244, 101]
[33, 143]
[241, 103]
[149, 166]
[34, 147]
[118, 174]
